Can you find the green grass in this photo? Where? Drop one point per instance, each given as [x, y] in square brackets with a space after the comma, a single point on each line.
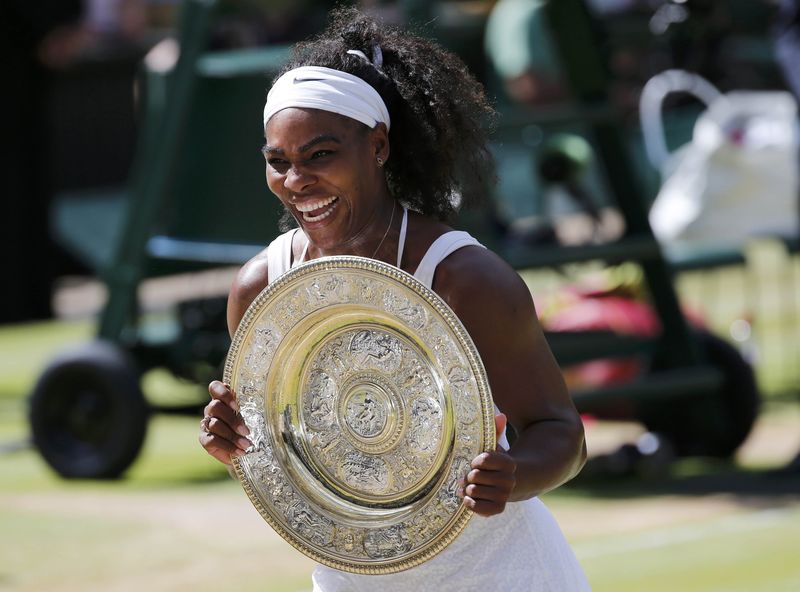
[766, 293]
[26, 349]
[754, 551]
[24, 352]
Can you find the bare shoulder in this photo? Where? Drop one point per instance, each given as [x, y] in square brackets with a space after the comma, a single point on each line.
[252, 278]
[472, 278]
[497, 310]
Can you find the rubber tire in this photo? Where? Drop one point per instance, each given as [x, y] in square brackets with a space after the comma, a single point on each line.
[87, 414]
[717, 424]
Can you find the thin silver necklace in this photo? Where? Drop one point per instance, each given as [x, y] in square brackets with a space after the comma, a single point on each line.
[385, 234]
[304, 254]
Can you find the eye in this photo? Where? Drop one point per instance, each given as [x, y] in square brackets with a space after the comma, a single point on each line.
[278, 164]
[321, 154]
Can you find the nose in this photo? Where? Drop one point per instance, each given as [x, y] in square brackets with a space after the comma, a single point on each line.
[297, 180]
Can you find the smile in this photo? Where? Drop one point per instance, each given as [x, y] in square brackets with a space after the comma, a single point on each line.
[314, 211]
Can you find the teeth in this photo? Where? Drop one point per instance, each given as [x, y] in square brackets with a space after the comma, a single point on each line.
[322, 216]
[315, 205]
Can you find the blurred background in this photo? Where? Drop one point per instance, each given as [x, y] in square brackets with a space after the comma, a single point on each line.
[647, 193]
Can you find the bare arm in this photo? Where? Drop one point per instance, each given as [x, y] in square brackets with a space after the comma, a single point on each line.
[224, 434]
[252, 278]
[498, 312]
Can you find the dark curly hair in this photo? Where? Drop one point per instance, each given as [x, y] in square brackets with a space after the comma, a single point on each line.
[440, 115]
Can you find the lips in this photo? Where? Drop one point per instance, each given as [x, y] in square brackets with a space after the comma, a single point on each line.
[317, 209]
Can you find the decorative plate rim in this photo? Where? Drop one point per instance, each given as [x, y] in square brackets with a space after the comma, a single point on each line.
[461, 517]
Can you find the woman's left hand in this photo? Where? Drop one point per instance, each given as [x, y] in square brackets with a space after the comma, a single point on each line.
[491, 479]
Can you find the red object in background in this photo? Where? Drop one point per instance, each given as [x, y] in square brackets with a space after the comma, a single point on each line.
[604, 311]
[597, 310]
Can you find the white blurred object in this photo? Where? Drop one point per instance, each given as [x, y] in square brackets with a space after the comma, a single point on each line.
[737, 177]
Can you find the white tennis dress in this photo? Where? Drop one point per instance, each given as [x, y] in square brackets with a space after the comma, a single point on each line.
[521, 549]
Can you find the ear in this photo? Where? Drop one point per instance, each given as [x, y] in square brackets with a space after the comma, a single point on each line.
[379, 142]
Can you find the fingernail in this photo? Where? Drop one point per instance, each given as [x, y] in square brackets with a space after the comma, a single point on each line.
[242, 430]
[460, 492]
[235, 405]
[239, 453]
[243, 443]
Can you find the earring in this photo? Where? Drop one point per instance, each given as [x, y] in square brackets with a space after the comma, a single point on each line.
[380, 162]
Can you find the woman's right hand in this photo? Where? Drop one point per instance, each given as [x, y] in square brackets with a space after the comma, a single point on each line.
[222, 430]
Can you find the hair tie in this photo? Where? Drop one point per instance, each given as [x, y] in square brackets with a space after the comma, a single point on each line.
[359, 53]
[377, 56]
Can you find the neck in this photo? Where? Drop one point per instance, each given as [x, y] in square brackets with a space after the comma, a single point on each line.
[385, 233]
[375, 240]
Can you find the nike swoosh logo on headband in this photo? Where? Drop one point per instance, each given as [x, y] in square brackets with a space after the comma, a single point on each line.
[297, 80]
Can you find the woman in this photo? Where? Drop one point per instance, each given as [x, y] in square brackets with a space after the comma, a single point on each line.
[371, 134]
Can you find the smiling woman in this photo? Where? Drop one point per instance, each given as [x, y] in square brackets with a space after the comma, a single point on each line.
[324, 168]
[373, 137]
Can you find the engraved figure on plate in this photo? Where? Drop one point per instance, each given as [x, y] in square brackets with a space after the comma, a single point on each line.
[333, 358]
[363, 290]
[413, 378]
[326, 290]
[425, 431]
[251, 402]
[413, 314]
[264, 342]
[319, 400]
[309, 524]
[365, 415]
[376, 349]
[365, 473]
[292, 309]
[349, 541]
[387, 542]
[463, 393]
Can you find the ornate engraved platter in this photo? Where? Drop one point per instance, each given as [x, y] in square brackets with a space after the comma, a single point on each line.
[366, 401]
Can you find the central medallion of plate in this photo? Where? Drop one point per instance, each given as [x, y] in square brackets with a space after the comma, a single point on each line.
[375, 439]
[369, 412]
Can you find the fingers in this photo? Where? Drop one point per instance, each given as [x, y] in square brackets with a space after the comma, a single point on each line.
[504, 481]
[222, 430]
[485, 507]
[219, 413]
[488, 485]
[494, 461]
[222, 392]
[219, 448]
[216, 427]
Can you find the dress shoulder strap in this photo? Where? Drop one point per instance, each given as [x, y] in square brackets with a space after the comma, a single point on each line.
[441, 248]
[401, 245]
[279, 255]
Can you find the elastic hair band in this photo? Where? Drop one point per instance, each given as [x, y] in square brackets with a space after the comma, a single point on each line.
[377, 56]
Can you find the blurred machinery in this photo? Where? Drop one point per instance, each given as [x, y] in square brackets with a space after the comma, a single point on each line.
[88, 413]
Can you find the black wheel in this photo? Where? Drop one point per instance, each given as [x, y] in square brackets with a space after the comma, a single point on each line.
[717, 424]
[87, 413]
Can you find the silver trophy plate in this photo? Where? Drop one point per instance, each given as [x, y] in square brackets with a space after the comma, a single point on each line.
[366, 401]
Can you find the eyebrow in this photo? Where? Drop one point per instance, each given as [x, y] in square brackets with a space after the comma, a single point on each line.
[305, 147]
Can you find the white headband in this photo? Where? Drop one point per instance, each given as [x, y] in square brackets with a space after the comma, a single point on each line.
[314, 87]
